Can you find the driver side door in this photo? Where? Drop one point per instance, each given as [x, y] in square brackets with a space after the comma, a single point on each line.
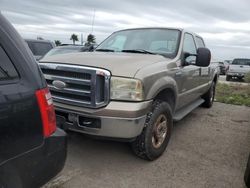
[190, 73]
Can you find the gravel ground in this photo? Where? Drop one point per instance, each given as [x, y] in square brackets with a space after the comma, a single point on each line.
[209, 148]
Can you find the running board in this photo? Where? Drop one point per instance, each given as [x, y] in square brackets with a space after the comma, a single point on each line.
[180, 114]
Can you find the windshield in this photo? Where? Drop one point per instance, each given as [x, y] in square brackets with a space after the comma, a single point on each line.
[241, 62]
[159, 41]
[56, 51]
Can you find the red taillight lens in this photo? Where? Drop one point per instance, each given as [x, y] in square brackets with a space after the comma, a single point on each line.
[47, 111]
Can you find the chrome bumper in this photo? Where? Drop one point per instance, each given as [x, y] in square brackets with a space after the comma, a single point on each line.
[117, 120]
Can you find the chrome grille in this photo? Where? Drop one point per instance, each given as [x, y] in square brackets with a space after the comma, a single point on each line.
[82, 86]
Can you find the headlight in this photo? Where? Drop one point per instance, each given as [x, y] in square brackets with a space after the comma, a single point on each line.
[126, 89]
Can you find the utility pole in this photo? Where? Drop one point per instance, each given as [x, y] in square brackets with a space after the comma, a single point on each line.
[81, 39]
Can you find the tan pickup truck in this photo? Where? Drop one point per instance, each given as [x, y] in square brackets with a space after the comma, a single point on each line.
[133, 86]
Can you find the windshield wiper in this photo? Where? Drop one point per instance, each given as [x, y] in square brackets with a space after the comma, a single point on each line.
[4, 72]
[104, 50]
[139, 51]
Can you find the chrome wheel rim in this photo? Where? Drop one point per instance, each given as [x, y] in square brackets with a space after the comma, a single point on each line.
[159, 131]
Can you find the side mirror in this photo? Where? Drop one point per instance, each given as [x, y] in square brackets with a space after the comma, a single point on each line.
[203, 57]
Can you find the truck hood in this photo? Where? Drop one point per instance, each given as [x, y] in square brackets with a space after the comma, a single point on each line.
[120, 64]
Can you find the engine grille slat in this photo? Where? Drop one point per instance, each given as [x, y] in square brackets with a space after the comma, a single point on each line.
[78, 85]
[71, 91]
[68, 80]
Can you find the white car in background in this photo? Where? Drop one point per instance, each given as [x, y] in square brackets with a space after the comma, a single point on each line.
[238, 68]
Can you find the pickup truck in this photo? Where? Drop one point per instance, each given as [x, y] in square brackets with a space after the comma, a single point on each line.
[133, 86]
[238, 69]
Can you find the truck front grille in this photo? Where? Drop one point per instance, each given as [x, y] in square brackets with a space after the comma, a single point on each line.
[80, 85]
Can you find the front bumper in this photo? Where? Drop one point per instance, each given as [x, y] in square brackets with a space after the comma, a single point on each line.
[122, 120]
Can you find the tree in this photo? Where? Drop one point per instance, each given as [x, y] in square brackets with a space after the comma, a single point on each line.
[58, 42]
[74, 38]
[91, 39]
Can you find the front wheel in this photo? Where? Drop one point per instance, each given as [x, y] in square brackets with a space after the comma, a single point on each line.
[156, 134]
[209, 96]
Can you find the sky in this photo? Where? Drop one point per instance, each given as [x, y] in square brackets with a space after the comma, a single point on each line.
[224, 24]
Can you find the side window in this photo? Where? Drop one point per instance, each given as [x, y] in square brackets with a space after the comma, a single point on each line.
[7, 69]
[200, 42]
[189, 44]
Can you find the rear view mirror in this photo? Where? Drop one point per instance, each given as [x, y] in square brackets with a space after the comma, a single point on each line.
[203, 57]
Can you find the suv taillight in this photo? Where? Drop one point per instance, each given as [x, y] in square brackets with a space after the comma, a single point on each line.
[47, 111]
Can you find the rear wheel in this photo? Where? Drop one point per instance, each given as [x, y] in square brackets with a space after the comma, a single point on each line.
[156, 134]
[209, 96]
[228, 78]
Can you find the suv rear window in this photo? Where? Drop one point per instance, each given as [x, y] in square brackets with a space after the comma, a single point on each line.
[39, 48]
[241, 62]
[7, 69]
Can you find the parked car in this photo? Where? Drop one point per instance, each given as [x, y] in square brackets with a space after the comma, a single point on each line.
[32, 149]
[39, 47]
[132, 88]
[223, 67]
[68, 49]
[238, 69]
[228, 61]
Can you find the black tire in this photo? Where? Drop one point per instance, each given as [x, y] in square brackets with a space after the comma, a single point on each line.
[228, 78]
[209, 96]
[143, 145]
[247, 173]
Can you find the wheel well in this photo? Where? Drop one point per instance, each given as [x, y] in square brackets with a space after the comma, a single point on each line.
[167, 95]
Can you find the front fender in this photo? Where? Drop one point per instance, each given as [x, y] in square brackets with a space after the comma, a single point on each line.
[160, 85]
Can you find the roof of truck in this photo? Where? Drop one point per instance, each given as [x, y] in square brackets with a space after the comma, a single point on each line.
[171, 28]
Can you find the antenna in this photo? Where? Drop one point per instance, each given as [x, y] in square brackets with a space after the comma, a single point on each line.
[93, 22]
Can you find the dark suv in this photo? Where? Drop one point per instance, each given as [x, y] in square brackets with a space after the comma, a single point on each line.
[32, 148]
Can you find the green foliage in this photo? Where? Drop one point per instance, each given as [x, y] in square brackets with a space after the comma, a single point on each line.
[247, 77]
[233, 94]
[74, 38]
[58, 42]
[91, 39]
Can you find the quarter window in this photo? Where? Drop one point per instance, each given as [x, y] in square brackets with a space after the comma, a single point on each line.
[7, 69]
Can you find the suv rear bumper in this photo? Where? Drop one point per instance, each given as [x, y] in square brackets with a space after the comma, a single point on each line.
[37, 167]
[124, 120]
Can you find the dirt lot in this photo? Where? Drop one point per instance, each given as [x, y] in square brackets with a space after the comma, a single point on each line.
[209, 148]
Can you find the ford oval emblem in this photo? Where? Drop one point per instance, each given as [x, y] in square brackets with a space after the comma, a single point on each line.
[59, 84]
